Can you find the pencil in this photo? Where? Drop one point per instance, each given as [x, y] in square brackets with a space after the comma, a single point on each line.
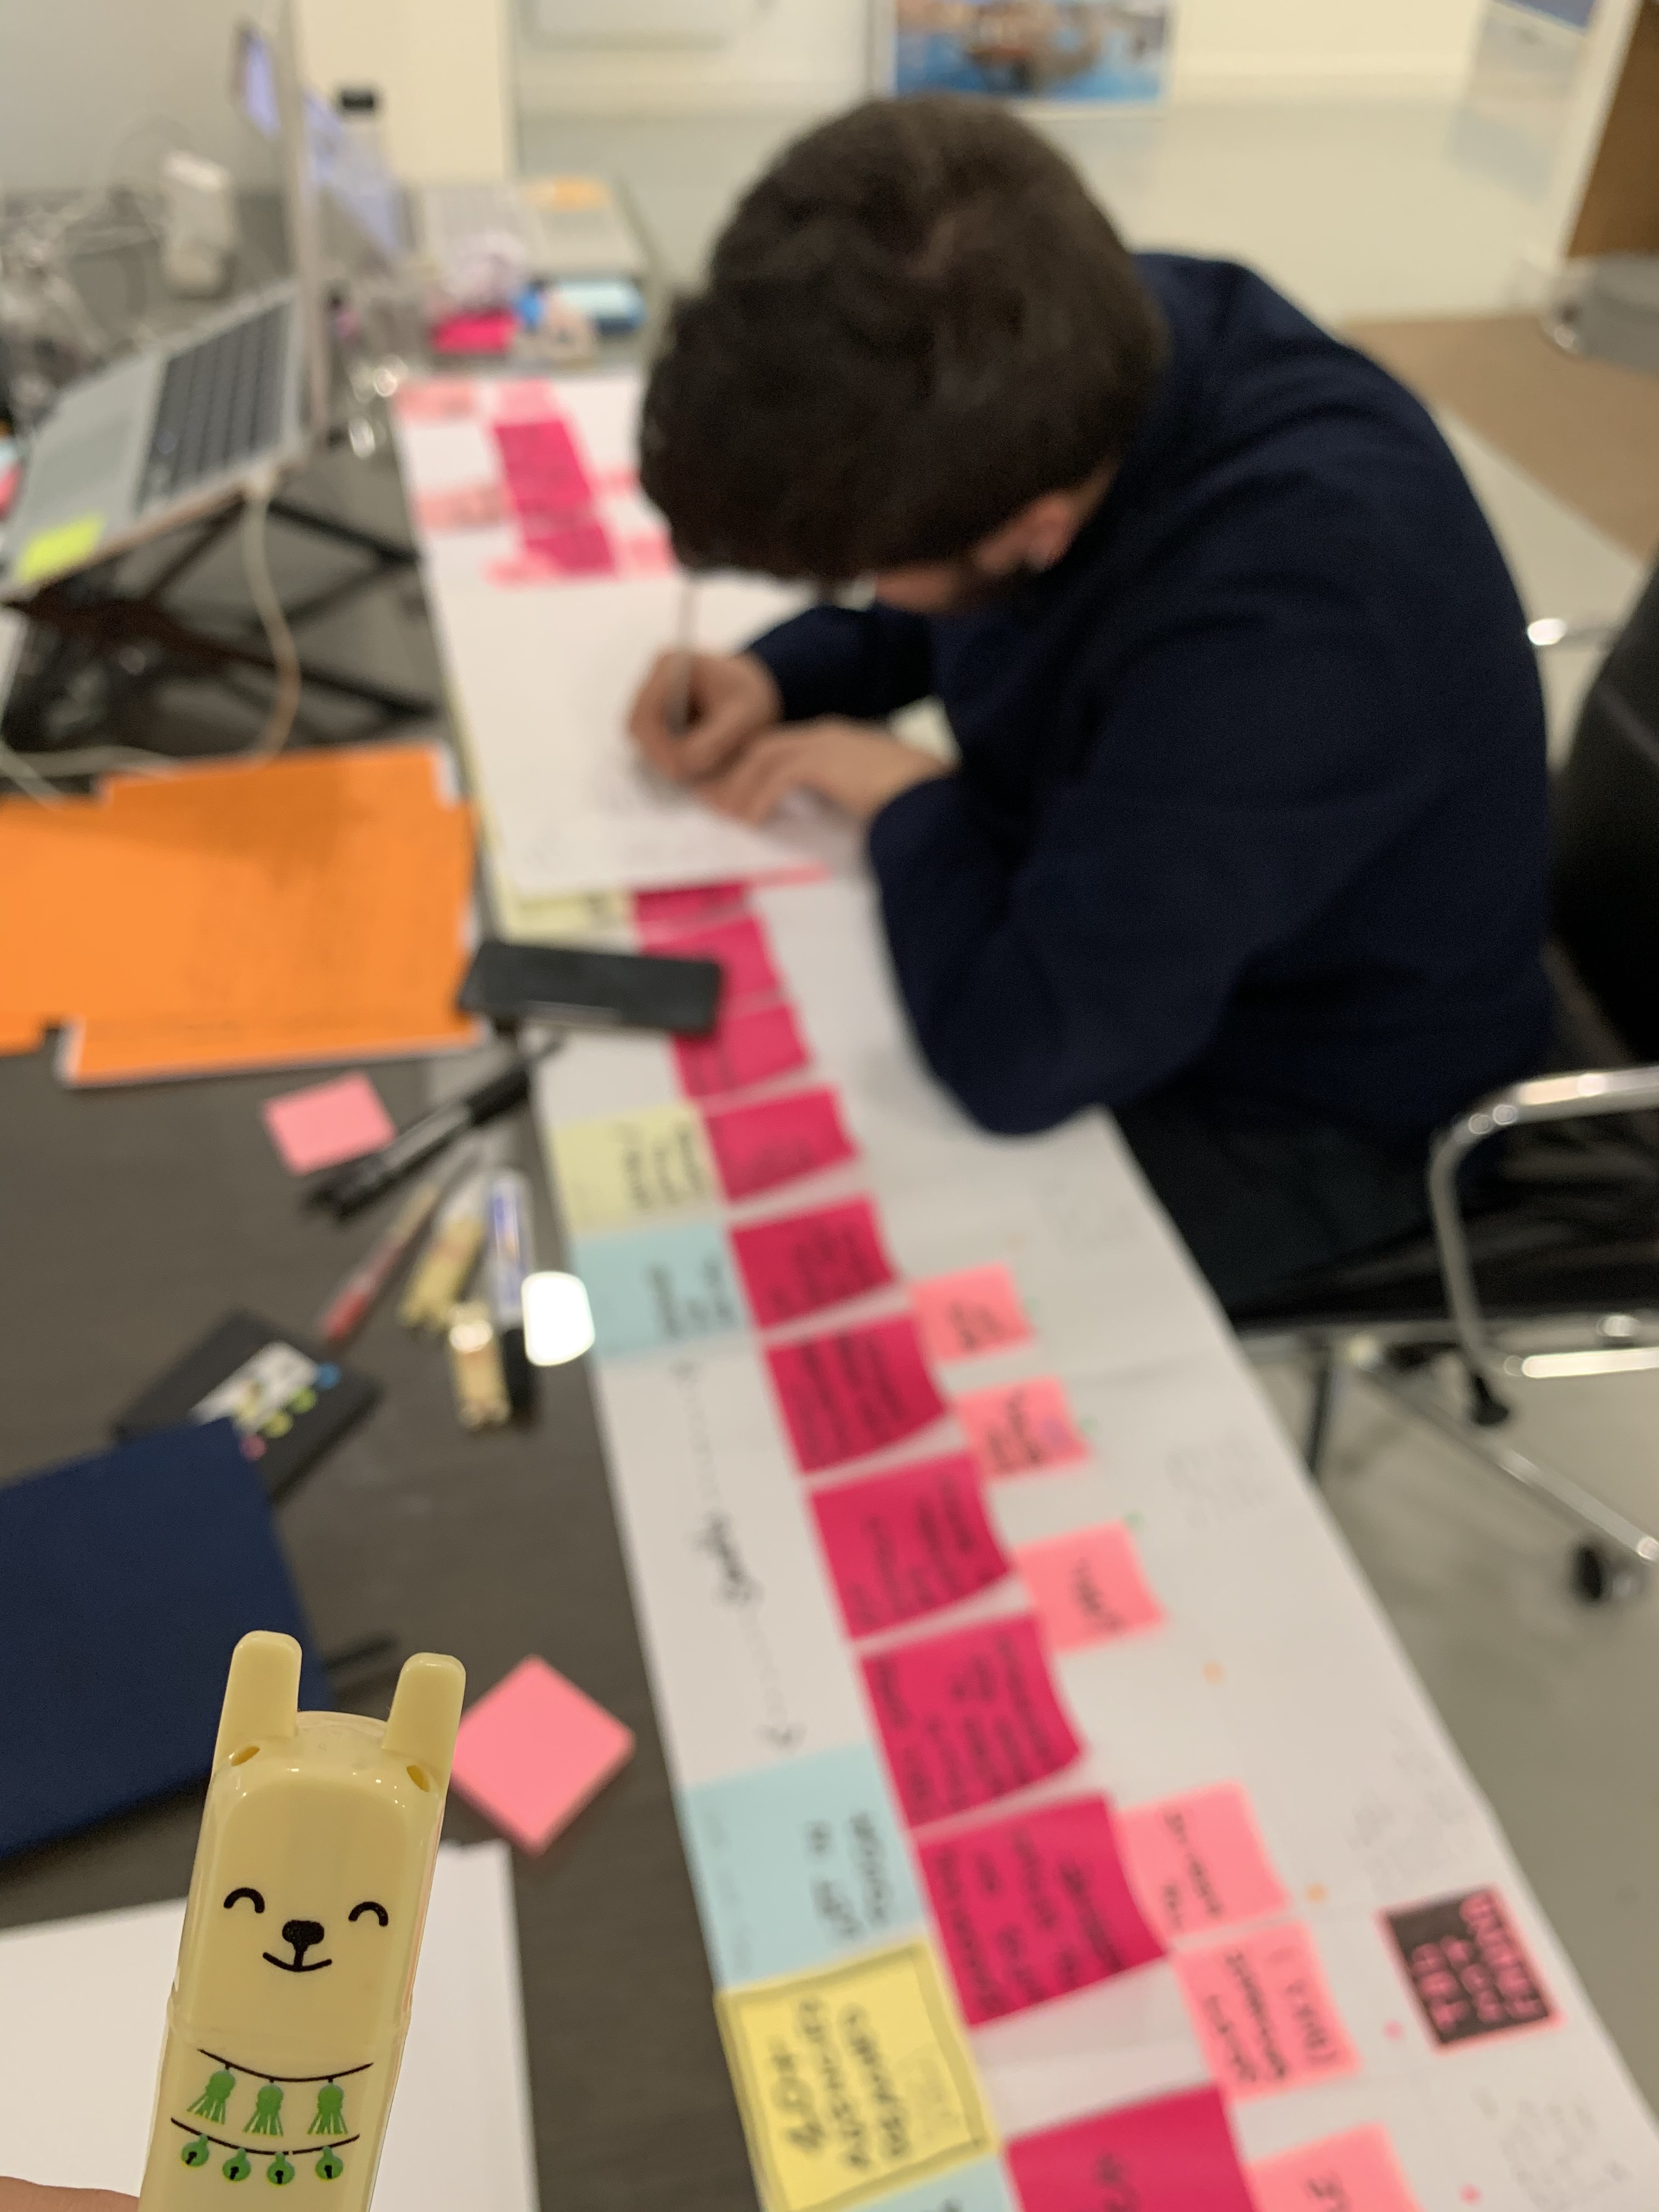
[679, 702]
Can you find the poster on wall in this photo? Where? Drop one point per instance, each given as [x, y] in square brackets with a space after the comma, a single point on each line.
[1113, 50]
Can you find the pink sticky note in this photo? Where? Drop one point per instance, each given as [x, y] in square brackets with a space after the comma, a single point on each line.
[976, 1309]
[800, 1263]
[327, 1123]
[1263, 2014]
[969, 1716]
[853, 1392]
[685, 906]
[1175, 2154]
[1033, 1906]
[461, 507]
[436, 399]
[490, 332]
[752, 1045]
[739, 944]
[757, 1147]
[904, 1544]
[569, 545]
[546, 477]
[1354, 2172]
[1088, 1586]
[1197, 1862]
[533, 1750]
[1021, 1425]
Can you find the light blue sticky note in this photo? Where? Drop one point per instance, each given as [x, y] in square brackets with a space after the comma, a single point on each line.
[981, 2187]
[654, 1288]
[797, 1863]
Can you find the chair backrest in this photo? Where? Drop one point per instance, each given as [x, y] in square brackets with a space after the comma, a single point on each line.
[1606, 887]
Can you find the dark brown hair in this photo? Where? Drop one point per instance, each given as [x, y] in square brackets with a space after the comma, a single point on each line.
[917, 321]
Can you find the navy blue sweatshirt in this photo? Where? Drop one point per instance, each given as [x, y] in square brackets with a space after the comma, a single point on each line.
[1252, 788]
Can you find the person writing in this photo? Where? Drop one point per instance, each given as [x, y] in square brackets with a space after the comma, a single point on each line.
[1248, 839]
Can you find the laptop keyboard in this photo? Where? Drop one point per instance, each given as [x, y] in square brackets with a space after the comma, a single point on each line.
[221, 403]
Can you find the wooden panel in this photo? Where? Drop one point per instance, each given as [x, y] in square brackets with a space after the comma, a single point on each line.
[1619, 211]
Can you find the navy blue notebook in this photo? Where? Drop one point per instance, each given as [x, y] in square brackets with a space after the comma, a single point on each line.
[125, 1581]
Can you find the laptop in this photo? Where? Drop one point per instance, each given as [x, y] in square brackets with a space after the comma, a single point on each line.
[167, 434]
[179, 428]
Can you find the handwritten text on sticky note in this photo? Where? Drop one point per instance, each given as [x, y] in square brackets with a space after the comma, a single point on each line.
[1020, 1426]
[853, 1392]
[1354, 2172]
[1263, 2014]
[739, 945]
[778, 1141]
[650, 1288]
[751, 1045]
[630, 1167]
[903, 1545]
[1197, 1862]
[852, 2081]
[1175, 2154]
[1033, 1906]
[976, 1309]
[796, 1862]
[1088, 1586]
[969, 1716]
[802, 1263]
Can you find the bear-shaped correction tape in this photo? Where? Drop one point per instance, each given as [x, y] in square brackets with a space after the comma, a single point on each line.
[287, 2019]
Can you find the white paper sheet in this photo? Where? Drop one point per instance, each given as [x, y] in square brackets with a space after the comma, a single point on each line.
[1274, 1668]
[82, 2004]
[541, 673]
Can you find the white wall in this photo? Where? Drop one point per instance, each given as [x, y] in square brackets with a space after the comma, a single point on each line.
[78, 78]
[441, 66]
[814, 52]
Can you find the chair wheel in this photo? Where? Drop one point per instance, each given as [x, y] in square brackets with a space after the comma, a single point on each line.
[1603, 1577]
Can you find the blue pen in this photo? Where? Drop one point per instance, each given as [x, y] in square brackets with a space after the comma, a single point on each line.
[511, 1257]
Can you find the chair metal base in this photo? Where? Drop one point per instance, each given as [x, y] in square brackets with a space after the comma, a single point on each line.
[1610, 1563]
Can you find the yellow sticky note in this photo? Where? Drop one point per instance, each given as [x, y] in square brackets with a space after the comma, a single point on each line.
[852, 2081]
[567, 195]
[633, 1167]
[65, 545]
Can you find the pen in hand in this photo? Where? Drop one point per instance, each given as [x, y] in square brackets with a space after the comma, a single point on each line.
[679, 699]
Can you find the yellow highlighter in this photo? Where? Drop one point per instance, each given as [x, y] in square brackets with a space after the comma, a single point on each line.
[289, 2007]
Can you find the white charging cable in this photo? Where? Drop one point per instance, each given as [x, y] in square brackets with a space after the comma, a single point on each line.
[260, 490]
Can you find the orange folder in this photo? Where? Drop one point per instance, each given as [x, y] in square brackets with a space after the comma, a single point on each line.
[240, 914]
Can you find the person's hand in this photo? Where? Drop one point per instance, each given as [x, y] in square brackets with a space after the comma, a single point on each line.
[34, 2197]
[725, 699]
[855, 766]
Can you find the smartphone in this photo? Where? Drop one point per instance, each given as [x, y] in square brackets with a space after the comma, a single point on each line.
[592, 990]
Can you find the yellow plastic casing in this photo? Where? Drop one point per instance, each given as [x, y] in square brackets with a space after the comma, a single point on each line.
[288, 2010]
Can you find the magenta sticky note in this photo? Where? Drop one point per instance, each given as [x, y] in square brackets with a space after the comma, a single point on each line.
[747, 1046]
[759, 1147]
[902, 1545]
[739, 945]
[1197, 1862]
[975, 1309]
[1033, 1906]
[661, 915]
[969, 1716]
[1088, 1587]
[1020, 1426]
[533, 1750]
[327, 1123]
[490, 332]
[853, 1392]
[1354, 2172]
[798, 1264]
[1262, 2013]
[1175, 2154]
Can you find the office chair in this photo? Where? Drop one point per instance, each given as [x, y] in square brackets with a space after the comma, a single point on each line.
[1548, 1264]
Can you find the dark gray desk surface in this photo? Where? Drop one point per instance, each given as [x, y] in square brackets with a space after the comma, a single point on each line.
[129, 1221]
